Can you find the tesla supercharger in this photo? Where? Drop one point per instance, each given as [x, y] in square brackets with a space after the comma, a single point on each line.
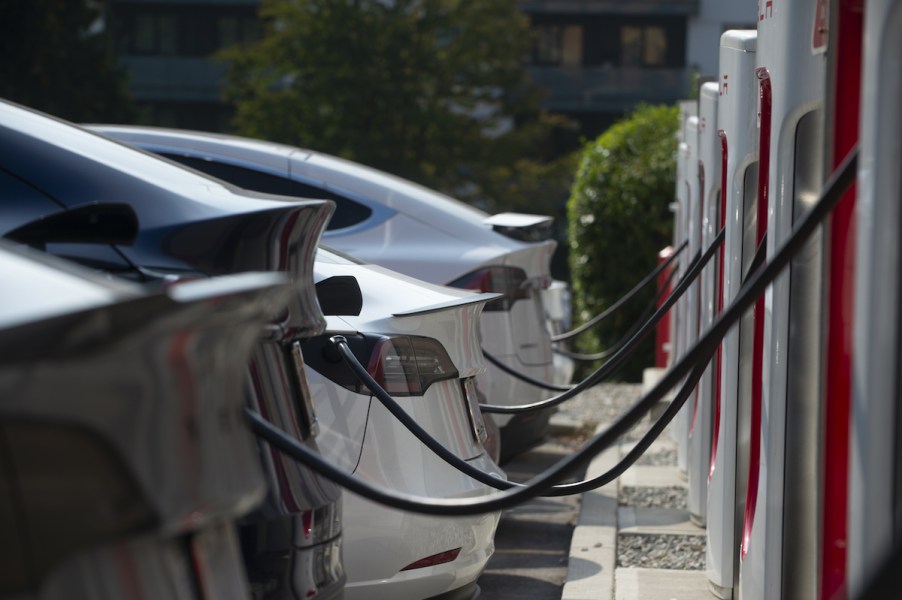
[737, 134]
[687, 108]
[875, 473]
[679, 236]
[780, 536]
[677, 323]
[709, 163]
[688, 313]
[844, 70]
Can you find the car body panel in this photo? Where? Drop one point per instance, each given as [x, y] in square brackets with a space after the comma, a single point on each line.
[184, 468]
[152, 409]
[189, 223]
[154, 567]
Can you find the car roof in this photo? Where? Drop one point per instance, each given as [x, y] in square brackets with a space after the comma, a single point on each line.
[458, 218]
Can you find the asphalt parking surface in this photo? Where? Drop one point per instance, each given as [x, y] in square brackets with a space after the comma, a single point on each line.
[532, 543]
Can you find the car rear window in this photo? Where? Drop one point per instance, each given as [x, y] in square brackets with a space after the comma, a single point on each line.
[347, 211]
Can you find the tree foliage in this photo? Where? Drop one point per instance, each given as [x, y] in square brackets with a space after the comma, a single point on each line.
[56, 58]
[619, 219]
[425, 89]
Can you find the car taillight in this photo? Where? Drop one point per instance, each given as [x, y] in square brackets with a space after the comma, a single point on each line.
[510, 281]
[408, 365]
[435, 559]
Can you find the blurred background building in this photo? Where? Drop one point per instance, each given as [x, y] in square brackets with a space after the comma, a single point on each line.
[596, 59]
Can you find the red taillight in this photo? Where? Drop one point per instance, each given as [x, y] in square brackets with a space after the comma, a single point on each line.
[510, 281]
[435, 559]
[408, 365]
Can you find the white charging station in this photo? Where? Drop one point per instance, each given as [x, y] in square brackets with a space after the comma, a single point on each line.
[679, 428]
[688, 303]
[729, 463]
[783, 462]
[874, 468]
[700, 428]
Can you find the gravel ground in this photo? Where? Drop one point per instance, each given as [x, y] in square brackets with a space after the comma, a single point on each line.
[652, 497]
[661, 458]
[603, 404]
[661, 551]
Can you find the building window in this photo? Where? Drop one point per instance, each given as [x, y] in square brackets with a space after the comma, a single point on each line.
[181, 30]
[235, 30]
[643, 46]
[155, 34]
[559, 45]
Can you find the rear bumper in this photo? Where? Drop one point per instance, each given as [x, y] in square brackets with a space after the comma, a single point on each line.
[380, 542]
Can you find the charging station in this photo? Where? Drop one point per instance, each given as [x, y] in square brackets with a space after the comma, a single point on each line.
[738, 139]
[709, 164]
[875, 452]
[688, 311]
[786, 372]
[688, 108]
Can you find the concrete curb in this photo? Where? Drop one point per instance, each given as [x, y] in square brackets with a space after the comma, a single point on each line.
[592, 573]
[593, 547]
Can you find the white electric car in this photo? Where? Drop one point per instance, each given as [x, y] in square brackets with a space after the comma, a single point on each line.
[420, 342]
[395, 223]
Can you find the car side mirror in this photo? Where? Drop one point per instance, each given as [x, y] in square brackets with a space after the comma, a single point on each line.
[340, 296]
[97, 223]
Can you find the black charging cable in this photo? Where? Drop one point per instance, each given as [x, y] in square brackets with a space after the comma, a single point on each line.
[647, 312]
[588, 357]
[341, 344]
[623, 299]
[693, 359]
[620, 357]
[554, 387]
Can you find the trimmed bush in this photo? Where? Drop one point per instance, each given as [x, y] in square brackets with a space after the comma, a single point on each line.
[619, 219]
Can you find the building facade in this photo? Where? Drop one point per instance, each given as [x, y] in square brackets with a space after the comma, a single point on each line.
[596, 59]
[169, 47]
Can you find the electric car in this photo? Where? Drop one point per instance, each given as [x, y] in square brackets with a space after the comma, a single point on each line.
[420, 342]
[62, 188]
[126, 459]
[395, 223]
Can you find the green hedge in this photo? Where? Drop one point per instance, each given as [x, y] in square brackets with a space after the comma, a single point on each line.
[619, 219]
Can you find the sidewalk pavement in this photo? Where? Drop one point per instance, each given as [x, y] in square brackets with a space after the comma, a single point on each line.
[612, 520]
